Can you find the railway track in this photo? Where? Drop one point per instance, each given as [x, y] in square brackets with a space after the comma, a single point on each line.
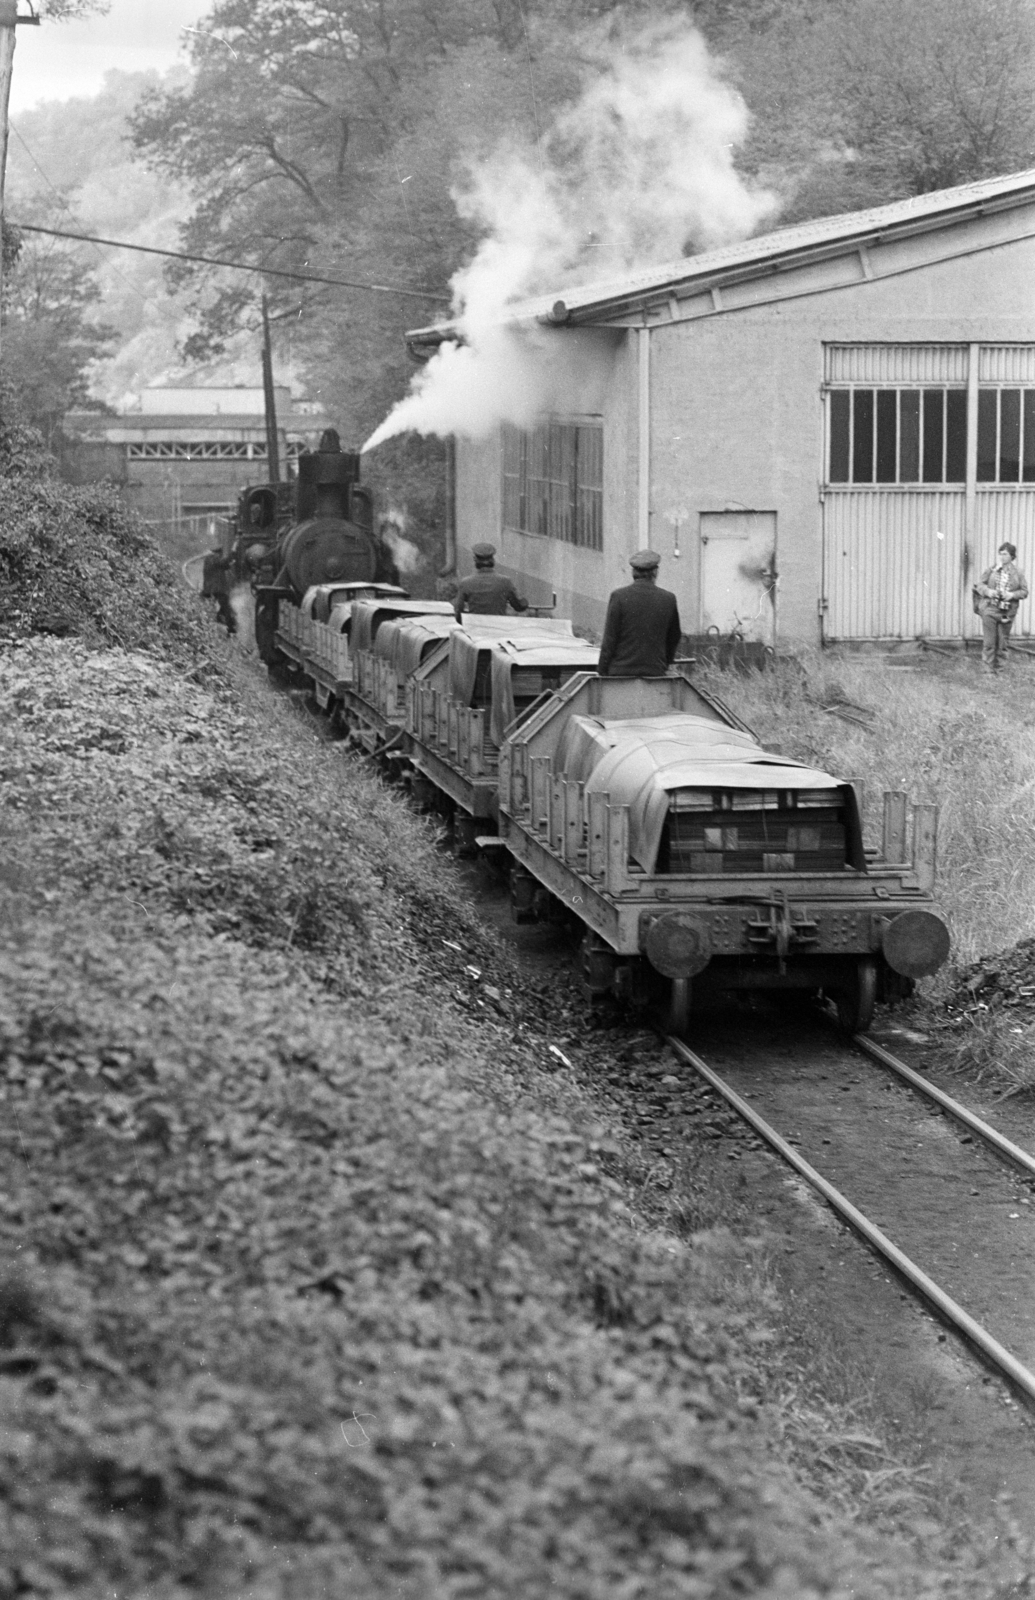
[1008, 1346]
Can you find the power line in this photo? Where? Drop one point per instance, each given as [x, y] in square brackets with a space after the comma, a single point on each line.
[146, 300]
[235, 266]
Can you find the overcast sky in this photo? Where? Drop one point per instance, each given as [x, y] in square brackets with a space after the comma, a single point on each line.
[59, 60]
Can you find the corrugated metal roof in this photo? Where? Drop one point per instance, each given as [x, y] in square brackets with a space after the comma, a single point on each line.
[942, 208]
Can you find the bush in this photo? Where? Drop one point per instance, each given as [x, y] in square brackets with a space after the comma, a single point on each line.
[75, 561]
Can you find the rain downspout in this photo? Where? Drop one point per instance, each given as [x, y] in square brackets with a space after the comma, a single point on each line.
[643, 473]
[449, 562]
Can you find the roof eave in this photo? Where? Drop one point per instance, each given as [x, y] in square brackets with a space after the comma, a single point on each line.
[771, 262]
[423, 342]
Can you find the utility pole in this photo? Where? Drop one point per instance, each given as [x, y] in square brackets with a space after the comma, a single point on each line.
[9, 20]
[272, 450]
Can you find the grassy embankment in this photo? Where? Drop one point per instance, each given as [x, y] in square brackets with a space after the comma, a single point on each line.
[315, 1278]
[947, 734]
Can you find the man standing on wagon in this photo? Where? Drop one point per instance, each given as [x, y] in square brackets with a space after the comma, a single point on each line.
[1000, 592]
[642, 631]
[486, 592]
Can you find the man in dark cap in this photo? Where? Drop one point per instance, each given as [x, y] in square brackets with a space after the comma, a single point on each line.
[486, 592]
[215, 585]
[641, 632]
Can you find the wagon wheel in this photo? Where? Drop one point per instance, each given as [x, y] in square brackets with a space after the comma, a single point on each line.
[856, 999]
[680, 1007]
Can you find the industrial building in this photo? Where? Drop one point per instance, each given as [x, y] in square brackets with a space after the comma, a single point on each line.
[826, 431]
[181, 455]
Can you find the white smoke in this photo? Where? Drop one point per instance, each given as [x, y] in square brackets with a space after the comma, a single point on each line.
[406, 555]
[242, 602]
[637, 172]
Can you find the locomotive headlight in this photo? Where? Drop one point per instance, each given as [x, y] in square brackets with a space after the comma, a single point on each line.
[678, 944]
[915, 943]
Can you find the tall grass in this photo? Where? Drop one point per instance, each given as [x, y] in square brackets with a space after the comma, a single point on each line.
[945, 734]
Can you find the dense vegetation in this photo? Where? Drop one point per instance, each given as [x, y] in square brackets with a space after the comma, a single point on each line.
[74, 561]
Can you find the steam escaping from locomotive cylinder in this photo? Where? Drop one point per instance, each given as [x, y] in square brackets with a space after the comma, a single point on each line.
[638, 172]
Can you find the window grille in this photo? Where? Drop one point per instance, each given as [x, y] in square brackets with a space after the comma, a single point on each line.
[553, 482]
[1006, 436]
[897, 435]
[206, 450]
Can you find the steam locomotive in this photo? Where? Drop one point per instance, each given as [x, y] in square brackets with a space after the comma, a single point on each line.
[287, 538]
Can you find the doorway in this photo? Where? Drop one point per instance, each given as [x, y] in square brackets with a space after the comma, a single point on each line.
[738, 575]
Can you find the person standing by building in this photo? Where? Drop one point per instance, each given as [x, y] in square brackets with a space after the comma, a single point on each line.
[641, 631]
[485, 591]
[1000, 592]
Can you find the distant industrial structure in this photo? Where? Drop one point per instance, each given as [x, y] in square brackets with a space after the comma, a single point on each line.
[183, 454]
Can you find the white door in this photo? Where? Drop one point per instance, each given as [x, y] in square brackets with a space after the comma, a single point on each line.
[738, 574]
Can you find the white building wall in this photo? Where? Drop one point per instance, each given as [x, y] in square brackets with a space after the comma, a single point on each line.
[736, 414]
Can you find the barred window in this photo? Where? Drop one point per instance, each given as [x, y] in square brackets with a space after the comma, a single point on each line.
[553, 482]
[1006, 436]
[206, 450]
[898, 435]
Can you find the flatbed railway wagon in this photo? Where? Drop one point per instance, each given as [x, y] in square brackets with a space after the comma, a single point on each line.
[463, 697]
[697, 860]
[372, 701]
[314, 635]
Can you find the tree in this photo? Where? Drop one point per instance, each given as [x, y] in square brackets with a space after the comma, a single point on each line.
[48, 338]
[858, 102]
[939, 92]
[325, 136]
[71, 10]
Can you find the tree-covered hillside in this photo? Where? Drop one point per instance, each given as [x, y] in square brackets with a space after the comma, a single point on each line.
[360, 141]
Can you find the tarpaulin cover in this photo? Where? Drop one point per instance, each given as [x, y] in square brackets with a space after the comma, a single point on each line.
[566, 655]
[340, 620]
[328, 595]
[645, 763]
[367, 616]
[586, 740]
[404, 641]
[485, 625]
[480, 633]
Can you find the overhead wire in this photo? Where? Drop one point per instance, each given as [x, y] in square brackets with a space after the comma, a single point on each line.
[233, 266]
[145, 299]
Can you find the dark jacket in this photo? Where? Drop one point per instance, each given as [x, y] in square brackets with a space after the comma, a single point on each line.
[488, 594]
[215, 575]
[641, 633]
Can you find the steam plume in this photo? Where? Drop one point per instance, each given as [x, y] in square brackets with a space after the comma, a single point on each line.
[636, 172]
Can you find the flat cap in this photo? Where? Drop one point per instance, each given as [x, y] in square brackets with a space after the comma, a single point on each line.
[644, 560]
[483, 552]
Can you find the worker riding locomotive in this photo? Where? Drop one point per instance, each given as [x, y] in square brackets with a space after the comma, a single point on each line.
[485, 592]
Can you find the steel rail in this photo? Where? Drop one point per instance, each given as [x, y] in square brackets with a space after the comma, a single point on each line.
[970, 1119]
[1008, 1365]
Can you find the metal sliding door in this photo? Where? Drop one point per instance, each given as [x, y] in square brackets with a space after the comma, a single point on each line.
[895, 555]
[1004, 491]
[894, 564]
